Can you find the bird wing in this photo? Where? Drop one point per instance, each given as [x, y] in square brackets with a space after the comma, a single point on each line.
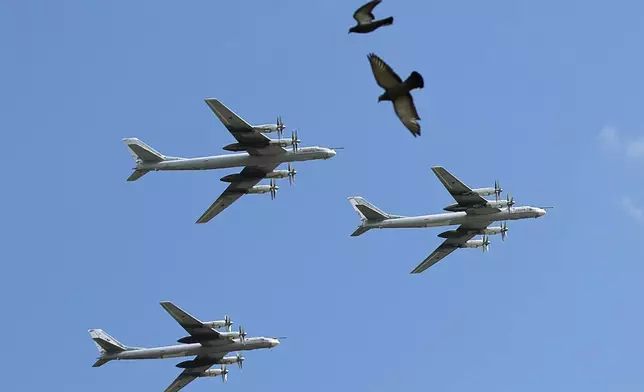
[406, 112]
[385, 76]
[364, 15]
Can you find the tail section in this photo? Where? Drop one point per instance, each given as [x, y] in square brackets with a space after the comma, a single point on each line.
[142, 153]
[415, 80]
[368, 213]
[387, 21]
[366, 210]
[106, 345]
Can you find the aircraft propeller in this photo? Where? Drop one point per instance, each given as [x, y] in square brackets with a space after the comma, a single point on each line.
[240, 359]
[486, 243]
[497, 190]
[227, 323]
[510, 201]
[242, 333]
[295, 141]
[279, 125]
[291, 174]
[273, 189]
[224, 374]
[504, 230]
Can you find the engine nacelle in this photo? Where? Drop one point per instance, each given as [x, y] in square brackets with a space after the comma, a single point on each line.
[473, 244]
[237, 147]
[490, 203]
[267, 128]
[492, 230]
[213, 372]
[218, 323]
[258, 189]
[278, 174]
[194, 363]
[231, 360]
[484, 191]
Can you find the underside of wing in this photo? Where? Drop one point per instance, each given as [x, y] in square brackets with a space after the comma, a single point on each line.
[364, 14]
[406, 112]
[190, 374]
[182, 380]
[191, 324]
[385, 76]
[255, 142]
[463, 194]
[248, 178]
[457, 238]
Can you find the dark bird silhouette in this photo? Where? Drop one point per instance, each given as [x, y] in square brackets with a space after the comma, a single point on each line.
[365, 19]
[398, 92]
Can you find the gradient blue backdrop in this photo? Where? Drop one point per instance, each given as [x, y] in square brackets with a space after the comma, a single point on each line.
[545, 96]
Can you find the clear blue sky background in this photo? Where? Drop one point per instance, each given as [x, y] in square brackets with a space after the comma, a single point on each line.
[545, 96]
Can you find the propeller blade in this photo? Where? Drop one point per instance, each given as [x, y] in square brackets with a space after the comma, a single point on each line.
[240, 360]
[504, 230]
[224, 374]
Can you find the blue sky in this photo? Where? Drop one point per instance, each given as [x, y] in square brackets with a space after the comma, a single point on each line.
[544, 96]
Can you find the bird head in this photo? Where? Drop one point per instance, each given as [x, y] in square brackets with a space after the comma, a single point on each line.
[383, 97]
[352, 30]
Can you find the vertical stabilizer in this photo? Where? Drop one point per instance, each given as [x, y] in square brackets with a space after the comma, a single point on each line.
[367, 213]
[106, 345]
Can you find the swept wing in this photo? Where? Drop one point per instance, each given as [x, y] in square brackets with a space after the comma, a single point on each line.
[243, 131]
[189, 375]
[249, 177]
[191, 324]
[465, 232]
[463, 194]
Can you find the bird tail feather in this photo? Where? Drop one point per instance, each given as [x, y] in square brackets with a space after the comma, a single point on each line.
[388, 21]
[415, 80]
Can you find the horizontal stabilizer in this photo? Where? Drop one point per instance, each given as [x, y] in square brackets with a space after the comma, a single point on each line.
[100, 362]
[136, 174]
[359, 231]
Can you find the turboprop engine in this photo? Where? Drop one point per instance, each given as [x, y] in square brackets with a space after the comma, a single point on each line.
[507, 203]
[272, 188]
[226, 322]
[490, 191]
[223, 372]
[484, 243]
[503, 229]
[238, 359]
[293, 141]
[278, 127]
[258, 175]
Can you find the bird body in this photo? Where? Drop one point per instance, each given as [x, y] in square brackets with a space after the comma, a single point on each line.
[398, 92]
[366, 20]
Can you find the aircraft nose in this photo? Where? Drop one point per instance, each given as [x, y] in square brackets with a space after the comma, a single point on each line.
[331, 153]
[274, 342]
[541, 212]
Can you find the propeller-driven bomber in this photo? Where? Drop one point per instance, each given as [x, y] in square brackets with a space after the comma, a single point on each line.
[204, 341]
[258, 154]
[471, 211]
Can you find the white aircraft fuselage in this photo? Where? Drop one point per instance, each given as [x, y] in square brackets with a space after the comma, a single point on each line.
[455, 218]
[238, 160]
[186, 350]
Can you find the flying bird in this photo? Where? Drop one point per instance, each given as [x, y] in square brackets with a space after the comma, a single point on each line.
[398, 92]
[365, 19]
